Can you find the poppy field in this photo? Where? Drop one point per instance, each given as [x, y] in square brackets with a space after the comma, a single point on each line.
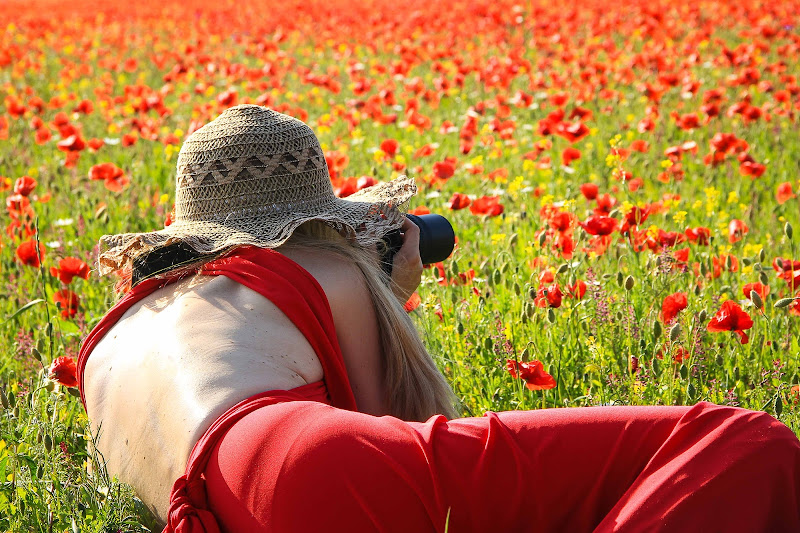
[622, 178]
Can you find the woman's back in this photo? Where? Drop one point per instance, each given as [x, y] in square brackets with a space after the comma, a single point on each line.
[181, 356]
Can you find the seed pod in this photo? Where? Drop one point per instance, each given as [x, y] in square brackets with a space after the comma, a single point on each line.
[620, 279]
[788, 230]
[702, 315]
[763, 278]
[629, 283]
[784, 302]
[488, 343]
[454, 269]
[762, 255]
[524, 355]
[48, 443]
[756, 299]
[517, 289]
[529, 310]
[496, 277]
[657, 330]
[551, 316]
[675, 333]
[36, 354]
[778, 405]
[746, 261]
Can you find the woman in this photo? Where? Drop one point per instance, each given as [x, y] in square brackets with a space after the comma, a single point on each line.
[260, 344]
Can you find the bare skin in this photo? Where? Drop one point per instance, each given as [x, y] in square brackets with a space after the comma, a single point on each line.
[181, 357]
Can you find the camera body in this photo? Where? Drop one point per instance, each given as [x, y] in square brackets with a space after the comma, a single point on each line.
[436, 240]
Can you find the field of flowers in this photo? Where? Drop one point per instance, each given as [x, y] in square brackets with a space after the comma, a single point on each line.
[621, 177]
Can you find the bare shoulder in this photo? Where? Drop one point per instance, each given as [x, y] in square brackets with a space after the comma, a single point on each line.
[356, 323]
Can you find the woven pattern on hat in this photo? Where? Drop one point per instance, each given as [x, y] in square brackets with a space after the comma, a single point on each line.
[252, 176]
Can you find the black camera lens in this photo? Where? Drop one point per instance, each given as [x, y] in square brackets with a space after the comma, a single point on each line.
[436, 237]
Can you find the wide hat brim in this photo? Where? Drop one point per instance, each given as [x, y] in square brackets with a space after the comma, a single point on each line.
[364, 218]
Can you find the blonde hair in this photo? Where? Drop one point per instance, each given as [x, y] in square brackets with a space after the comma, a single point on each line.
[415, 388]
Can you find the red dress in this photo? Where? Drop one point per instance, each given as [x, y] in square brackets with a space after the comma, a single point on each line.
[304, 460]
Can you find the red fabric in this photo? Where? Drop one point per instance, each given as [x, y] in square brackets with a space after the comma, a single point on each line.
[288, 285]
[307, 467]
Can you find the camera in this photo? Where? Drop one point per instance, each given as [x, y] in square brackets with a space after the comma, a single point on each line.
[436, 240]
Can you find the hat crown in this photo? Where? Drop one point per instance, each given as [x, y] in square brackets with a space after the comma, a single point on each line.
[248, 162]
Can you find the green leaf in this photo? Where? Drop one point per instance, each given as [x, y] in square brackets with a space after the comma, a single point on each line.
[24, 308]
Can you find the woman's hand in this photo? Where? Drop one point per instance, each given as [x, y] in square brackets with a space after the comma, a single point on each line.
[407, 264]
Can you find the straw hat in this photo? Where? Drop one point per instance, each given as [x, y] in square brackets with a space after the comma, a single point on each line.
[252, 176]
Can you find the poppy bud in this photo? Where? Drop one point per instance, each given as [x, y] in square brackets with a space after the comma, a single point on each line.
[675, 333]
[703, 315]
[684, 371]
[746, 261]
[719, 360]
[691, 390]
[517, 288]
[762, 255]
[656, 365]
[542, 238]
[4, 399]
[48, 443]
[620, 279]
[454, 268]
[551, 316]
[656, 330]
[460, 328]
[763, 278]
[37, 354]
[787, 229]
[488, 343]
[496, 277]
[756, 299]
[563, 268]
[778, 406]
[784, 302]
[728, 262]
[629, 283]
[513, 239]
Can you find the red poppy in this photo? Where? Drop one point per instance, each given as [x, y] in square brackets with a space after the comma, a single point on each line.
[73, 143]
[70, 267]
[419, 211]
[548, 296]
[672, 305]
[589, 191]
[784, 192]
[599, 225]
[389, 147]
[487, 205]
[64, 371]
[129, 139]
[424, 151]
[24, 185]
[458, 201]
[412, 303]
[26, 253]
[761, 289]
[443, 169]
[532, 373]
[731, 317]
[68, 301]
[569, 155]
[698, 235]
[640, 146]
[577, 290]
[736, 230]
[114, 177]
[95, 144]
